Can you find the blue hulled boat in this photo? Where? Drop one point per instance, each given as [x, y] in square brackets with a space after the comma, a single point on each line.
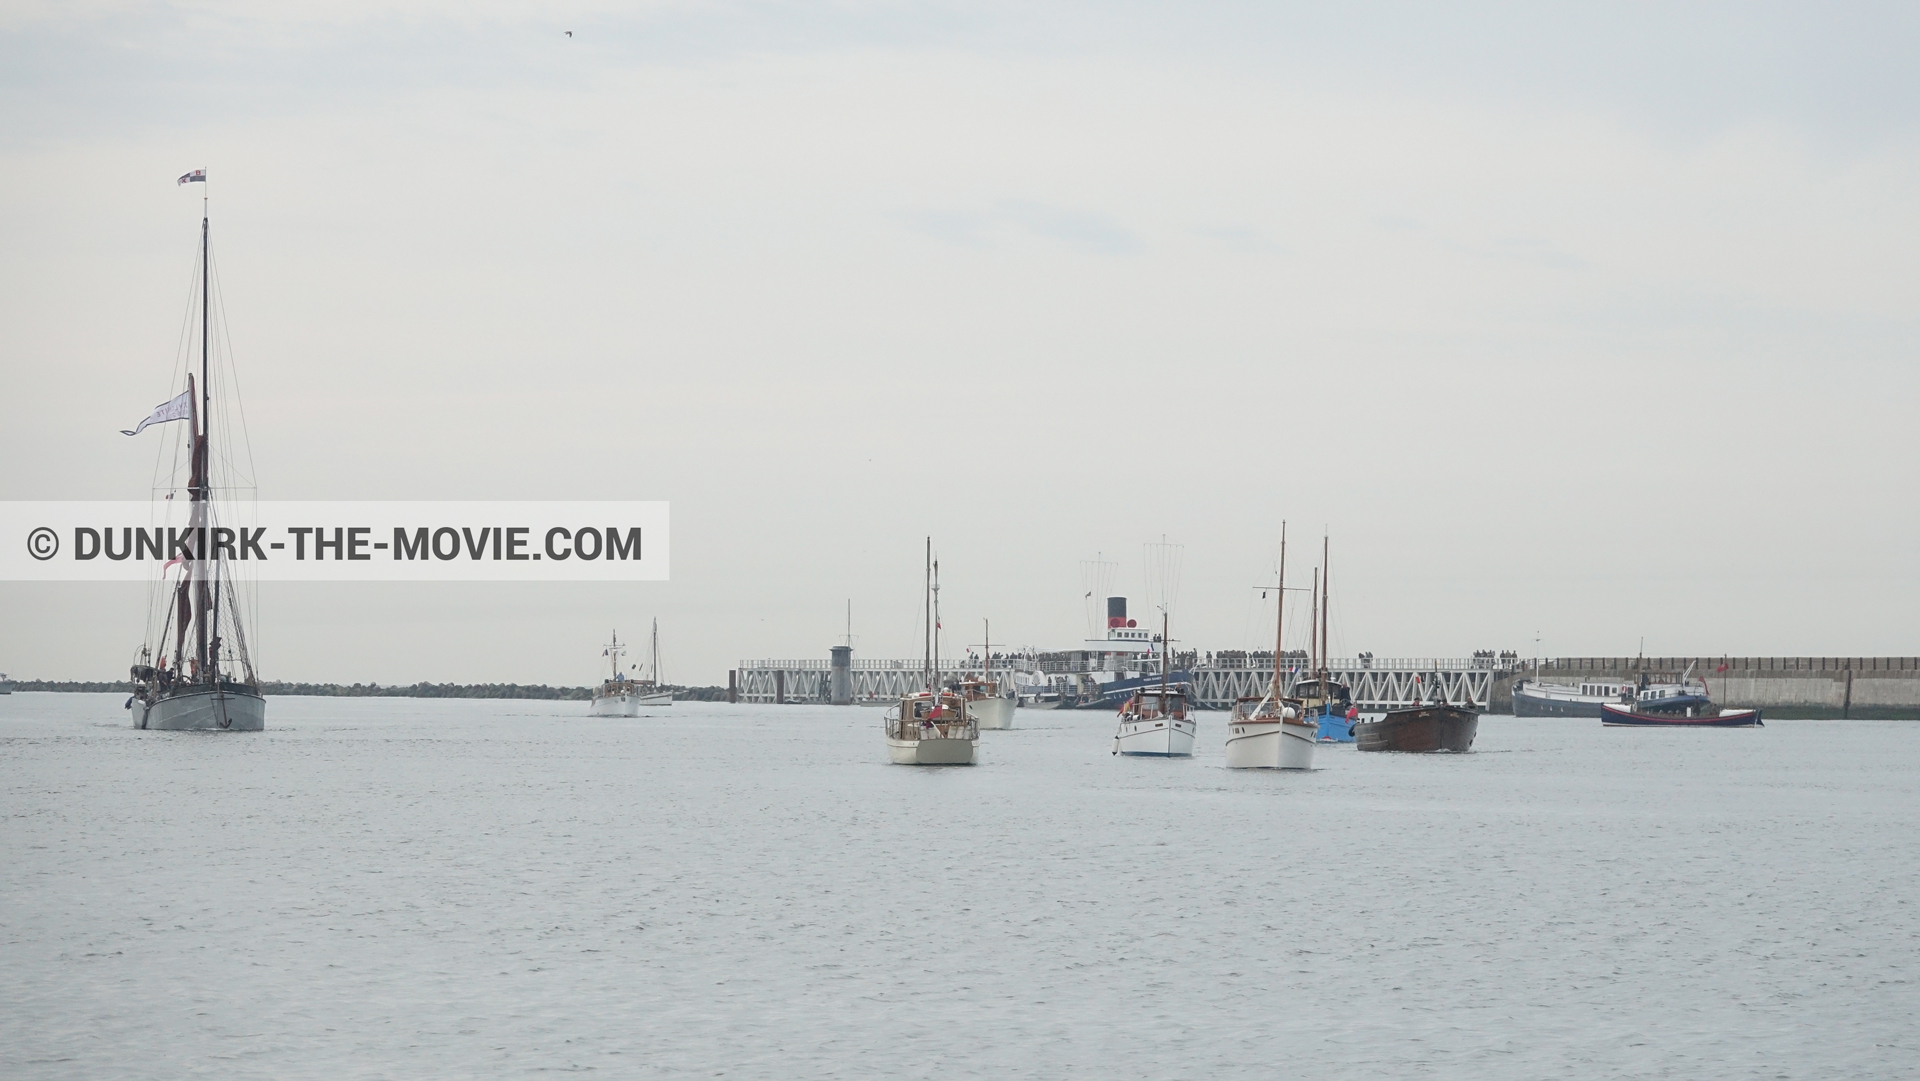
[1329, 704]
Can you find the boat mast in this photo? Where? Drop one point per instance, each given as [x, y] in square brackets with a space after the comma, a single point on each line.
[203, 459]
[986, 650]
[1280, 614]
[1166, 657]
[1313, 627]
[926, 664]
[936, 624]
[1326, 608]
[656, 650]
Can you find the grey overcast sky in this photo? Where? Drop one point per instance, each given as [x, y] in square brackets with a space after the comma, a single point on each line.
[1590, 322]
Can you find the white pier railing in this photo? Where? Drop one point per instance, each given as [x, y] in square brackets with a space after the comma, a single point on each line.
[1375, 683]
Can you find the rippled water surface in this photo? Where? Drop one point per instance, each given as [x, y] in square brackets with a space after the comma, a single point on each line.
[389, 887]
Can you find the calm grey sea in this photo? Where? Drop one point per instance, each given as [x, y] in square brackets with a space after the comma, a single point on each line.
[402, 888]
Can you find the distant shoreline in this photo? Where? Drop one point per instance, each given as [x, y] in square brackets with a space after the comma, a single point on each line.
[375, 690]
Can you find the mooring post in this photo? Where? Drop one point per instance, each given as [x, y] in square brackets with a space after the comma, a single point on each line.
[733, 686]
[779, 686]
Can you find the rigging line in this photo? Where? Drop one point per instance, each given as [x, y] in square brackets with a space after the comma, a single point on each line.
[233, 371]
[181, 349]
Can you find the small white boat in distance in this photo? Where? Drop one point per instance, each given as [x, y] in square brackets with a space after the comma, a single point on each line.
[931, 730]
[931, 727]
[619, 696]
[985, 705]
[990, 710]
[1269, 732]
[1154, 724]
[653, 690]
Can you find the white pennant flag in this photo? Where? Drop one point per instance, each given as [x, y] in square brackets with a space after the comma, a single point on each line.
[180, 408]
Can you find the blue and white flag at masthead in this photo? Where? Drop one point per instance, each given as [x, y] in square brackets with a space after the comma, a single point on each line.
[178, 409]
[197, 176]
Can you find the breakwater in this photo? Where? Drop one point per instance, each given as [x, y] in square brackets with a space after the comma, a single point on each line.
[1884, 687]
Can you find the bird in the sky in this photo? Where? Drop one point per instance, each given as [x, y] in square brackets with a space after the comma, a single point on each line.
[569, 33]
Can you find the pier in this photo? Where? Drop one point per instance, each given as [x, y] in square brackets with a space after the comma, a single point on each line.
[1376, 684]
[1865, 687]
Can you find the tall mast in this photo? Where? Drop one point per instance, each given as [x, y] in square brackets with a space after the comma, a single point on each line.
[936, 626]
[1313, 626]
[656, 650]
[986, 650]
[926, 669]
[1326, 607]
[206, 277]
[202, 458]
[1280, 614]
[1166, 657]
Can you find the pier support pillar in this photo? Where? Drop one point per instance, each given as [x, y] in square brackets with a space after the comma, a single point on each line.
[780, 687]
[733, 687]
[840, 681]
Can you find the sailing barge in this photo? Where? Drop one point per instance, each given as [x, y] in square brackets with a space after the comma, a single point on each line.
[205, 680]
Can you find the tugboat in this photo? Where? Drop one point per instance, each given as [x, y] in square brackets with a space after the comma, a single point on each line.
[205, 680]
[931, 727]
[1270, 732]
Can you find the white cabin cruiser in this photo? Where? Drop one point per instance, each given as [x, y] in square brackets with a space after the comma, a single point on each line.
[928, 729]
[989, 709]
[1154, 724]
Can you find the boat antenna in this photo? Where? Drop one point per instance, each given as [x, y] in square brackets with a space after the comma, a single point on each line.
[1280, 612]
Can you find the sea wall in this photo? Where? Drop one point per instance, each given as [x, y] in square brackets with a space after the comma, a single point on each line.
[1886, 687]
